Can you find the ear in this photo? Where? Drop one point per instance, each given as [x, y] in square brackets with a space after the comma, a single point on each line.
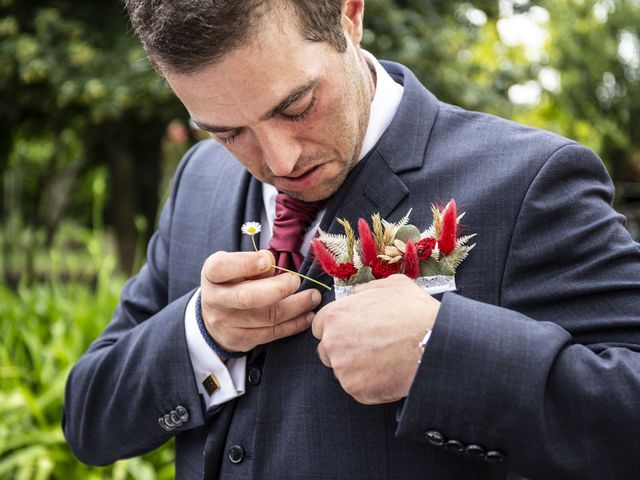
[352, 14]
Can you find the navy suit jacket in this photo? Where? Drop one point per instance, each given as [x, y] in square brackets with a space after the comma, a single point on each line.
[533, 367]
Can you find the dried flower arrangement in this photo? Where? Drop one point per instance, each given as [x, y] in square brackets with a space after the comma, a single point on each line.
[394, 248]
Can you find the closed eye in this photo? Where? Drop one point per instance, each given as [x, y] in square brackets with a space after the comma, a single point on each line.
[296, 117]
[228, 138]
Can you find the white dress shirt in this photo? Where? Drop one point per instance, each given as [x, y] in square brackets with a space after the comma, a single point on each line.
[231, 376]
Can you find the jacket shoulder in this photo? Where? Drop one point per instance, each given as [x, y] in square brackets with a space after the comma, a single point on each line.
[492, 139]
[208, 160]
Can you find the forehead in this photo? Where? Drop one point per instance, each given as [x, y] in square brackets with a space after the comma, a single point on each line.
[250, 80]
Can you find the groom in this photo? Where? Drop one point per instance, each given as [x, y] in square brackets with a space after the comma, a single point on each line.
[529, 370]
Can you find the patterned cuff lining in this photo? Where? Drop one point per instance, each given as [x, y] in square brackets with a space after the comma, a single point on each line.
[221, 352]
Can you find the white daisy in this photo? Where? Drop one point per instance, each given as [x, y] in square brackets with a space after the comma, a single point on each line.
[251, 228]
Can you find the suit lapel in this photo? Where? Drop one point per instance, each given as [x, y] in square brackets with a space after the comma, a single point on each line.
[375, 184]
[252, 213]
[371, 187]
[240, 202]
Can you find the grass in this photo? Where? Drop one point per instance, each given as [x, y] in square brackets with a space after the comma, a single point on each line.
[45, 327]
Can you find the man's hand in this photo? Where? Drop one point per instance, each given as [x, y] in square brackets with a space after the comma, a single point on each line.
[244, 305]
[370, 338]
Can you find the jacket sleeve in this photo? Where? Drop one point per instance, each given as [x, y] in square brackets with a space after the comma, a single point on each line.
[547, 383]
[134, 388]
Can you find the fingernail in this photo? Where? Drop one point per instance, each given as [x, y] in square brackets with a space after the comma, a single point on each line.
[316, 298]
[310, 317]
[263, 264]
[295, 281]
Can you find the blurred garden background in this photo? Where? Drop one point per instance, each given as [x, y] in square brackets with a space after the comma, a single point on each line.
[90, 136]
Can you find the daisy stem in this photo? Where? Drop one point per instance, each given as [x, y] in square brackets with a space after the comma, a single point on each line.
[303, 276]
[291, 271]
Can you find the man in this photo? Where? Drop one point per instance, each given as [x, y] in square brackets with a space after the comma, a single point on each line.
[532, 367]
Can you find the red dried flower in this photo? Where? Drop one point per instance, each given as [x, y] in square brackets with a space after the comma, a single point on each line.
[344, 271]
[411, 264]
[382, 269]
[326, 259]
[368, 244]
[425, 247]
[448, 235]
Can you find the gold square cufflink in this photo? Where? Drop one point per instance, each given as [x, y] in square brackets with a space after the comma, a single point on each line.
[211, 384]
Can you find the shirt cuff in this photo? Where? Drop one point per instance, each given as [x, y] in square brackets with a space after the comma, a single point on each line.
[230, 376]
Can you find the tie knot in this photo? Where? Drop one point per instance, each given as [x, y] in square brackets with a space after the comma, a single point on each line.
[293, 219]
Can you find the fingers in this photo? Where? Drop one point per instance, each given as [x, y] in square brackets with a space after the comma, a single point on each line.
[252, 294]
[287, 309]
[283, 329]
[318, 325]
[224, 267]
[324, 358]
[243, 339]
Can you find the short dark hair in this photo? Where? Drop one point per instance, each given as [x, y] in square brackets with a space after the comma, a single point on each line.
[184, 36]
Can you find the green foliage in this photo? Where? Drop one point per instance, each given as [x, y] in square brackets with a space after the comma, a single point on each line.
[82, 113]
[78, 94]
[457, 59]
[592, 45]
[46, 327]
[364, 275]
[595, 47]
[408, 233]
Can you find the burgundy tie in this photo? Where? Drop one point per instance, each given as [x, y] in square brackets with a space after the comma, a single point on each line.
[292, 221]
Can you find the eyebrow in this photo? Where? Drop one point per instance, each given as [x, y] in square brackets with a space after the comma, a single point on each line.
[289, 100]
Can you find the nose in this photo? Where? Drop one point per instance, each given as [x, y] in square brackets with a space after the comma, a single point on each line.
[280, 150]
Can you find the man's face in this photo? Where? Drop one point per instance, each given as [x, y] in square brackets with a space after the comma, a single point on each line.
[293, 112]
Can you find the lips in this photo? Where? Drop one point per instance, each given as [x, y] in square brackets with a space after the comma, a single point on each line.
[308, 172]
[305, 180]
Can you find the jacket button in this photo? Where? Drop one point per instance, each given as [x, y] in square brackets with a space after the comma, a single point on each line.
[183, 413]
[169, 422]
[454, 445]
[164, 425]
[474, 450]
[495, 457]
[434, 437]
[236, 454]
[175, 418]
[254, 376]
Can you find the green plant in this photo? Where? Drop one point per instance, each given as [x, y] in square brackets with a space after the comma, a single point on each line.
[46, 326]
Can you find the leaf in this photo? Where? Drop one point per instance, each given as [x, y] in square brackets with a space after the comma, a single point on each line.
[404, 220]
[357, 261]
[331, 237]
[429, 268]
[336, 243]
[462, 240]
[429, 232]
[407, 233]
[364, 275]
[454, 259]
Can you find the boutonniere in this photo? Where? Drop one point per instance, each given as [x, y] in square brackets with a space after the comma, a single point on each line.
[430, 256]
